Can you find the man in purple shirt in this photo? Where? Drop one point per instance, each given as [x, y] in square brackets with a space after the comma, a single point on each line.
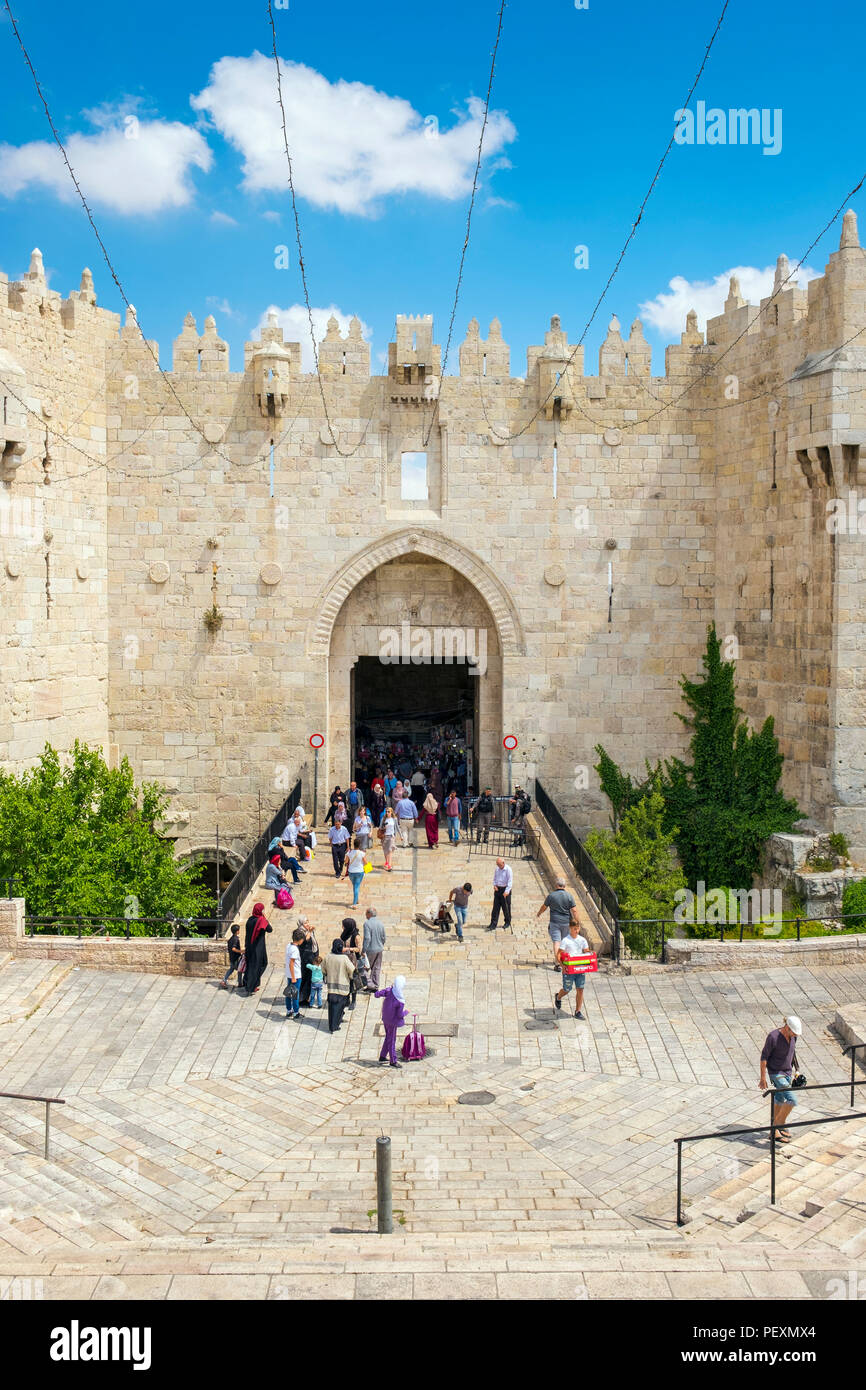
[778, 1059]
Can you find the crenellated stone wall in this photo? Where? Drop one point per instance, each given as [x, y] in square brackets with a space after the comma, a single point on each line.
[593, 525]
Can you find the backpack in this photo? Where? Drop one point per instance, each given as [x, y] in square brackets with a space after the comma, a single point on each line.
[414, 1046]
[285, 899]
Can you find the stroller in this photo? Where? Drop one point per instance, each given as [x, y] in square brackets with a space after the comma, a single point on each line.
[443, 919]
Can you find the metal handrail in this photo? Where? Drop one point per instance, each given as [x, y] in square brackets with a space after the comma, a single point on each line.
[69, 924]
[47, 1101]
[768, 1128]
[852, 1048]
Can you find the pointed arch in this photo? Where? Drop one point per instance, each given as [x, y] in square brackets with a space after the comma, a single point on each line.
[408, 542]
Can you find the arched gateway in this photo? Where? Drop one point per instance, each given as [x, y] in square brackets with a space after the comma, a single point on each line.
[414, 629]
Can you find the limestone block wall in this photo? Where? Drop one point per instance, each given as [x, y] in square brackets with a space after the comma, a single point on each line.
[53, 553]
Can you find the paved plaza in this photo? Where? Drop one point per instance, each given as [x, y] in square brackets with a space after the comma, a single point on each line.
[208, 1145]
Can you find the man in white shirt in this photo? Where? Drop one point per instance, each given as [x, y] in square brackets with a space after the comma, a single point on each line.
[569, 947]
[338, 836]
[407, 819]
[293, 976]
[503, 880]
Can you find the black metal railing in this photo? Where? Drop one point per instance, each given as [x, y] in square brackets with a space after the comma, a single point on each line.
[596, 884]
[157, 928]
[47, 1101]
[232, 899]
[770, 1129]
[11, 888]
[648, 937]
[853, 1048]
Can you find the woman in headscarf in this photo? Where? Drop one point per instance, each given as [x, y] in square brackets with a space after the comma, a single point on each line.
[255, 948]
[336, 795]
[377, 804]
[397, 794]
[431, 820]
[393, 1017]
[339, 971]
[353, 945]
[309, 949]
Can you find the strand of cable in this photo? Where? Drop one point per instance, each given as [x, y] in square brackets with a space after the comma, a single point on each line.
[471, 208]
[505, 439]
[627, 425]
[89, 215]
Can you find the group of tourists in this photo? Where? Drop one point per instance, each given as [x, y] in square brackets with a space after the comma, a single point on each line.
[352, 966]
[442, 758]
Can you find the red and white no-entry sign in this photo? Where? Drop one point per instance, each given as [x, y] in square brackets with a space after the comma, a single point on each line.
[317, 740]
[510, 742]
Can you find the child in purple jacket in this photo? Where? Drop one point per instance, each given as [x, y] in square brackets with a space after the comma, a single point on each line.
[393, 1015]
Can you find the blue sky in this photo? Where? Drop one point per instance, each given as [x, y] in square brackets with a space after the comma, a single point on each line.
[194, 205]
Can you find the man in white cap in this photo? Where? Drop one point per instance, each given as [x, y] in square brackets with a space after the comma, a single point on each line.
[778, 1060]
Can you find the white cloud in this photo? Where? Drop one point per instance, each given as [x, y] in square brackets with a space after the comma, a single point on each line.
[223, 307]
[271, 216]
[296, 327]
[222, 219]
[667, 312]
[351, 145]
[131, 166]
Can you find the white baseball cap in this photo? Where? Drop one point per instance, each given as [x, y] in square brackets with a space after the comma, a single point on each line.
[794, 1024]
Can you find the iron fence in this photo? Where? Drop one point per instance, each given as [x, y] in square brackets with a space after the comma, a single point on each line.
[596, 884]
[244, 881]
[156, 928]
[11, 888]
[648, 937]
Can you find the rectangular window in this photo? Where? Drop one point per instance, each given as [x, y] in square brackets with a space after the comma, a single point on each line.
[413, 477]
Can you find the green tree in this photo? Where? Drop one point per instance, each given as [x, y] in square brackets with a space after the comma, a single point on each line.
[639, 861]
[619, 788]
[81, 839]
[726, 802]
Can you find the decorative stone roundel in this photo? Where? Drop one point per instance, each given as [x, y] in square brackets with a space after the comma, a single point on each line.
[613, 437]
[159, 572]
[271, 573]
[554, 575]
[83, 570]
[13, 568]
[666, 575]
[212, 432]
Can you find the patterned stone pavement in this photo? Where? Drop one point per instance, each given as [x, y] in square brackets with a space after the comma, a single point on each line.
[205, 1136]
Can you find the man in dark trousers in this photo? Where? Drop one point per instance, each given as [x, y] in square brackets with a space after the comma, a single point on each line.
[778, 1059]
[482, 810]
[503, 880]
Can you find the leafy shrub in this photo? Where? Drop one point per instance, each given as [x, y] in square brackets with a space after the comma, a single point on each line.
[839, 844]
[854, 900]
[81, 839]
[638, 861]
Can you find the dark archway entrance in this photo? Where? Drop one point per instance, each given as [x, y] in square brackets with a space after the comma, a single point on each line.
[418, 706]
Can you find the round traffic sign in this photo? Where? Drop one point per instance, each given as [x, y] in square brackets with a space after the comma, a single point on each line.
[317, 740]
[509, 742]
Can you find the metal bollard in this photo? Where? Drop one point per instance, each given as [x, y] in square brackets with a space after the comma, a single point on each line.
[384, 1200]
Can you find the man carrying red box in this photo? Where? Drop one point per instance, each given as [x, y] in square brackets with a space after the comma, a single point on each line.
[577, 961]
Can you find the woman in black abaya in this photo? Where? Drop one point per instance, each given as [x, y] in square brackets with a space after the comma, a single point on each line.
[255, 948]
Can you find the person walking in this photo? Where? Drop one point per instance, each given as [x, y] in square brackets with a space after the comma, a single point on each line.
[356, 861]
[293, 975]
[563, 915]
[336, 797]
[453, 810]
[255, 948]
[778, 1061]
[503, 880]
[354, 799]
[234, 953]
[407, 819]
[338, 837]
[362, 829]
[309, 949]
[388, 832]
[570, 947]
[373, 945]
[482, 810]
[460, 898]
[393, 1017]
[431, 820]
[338, 970]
